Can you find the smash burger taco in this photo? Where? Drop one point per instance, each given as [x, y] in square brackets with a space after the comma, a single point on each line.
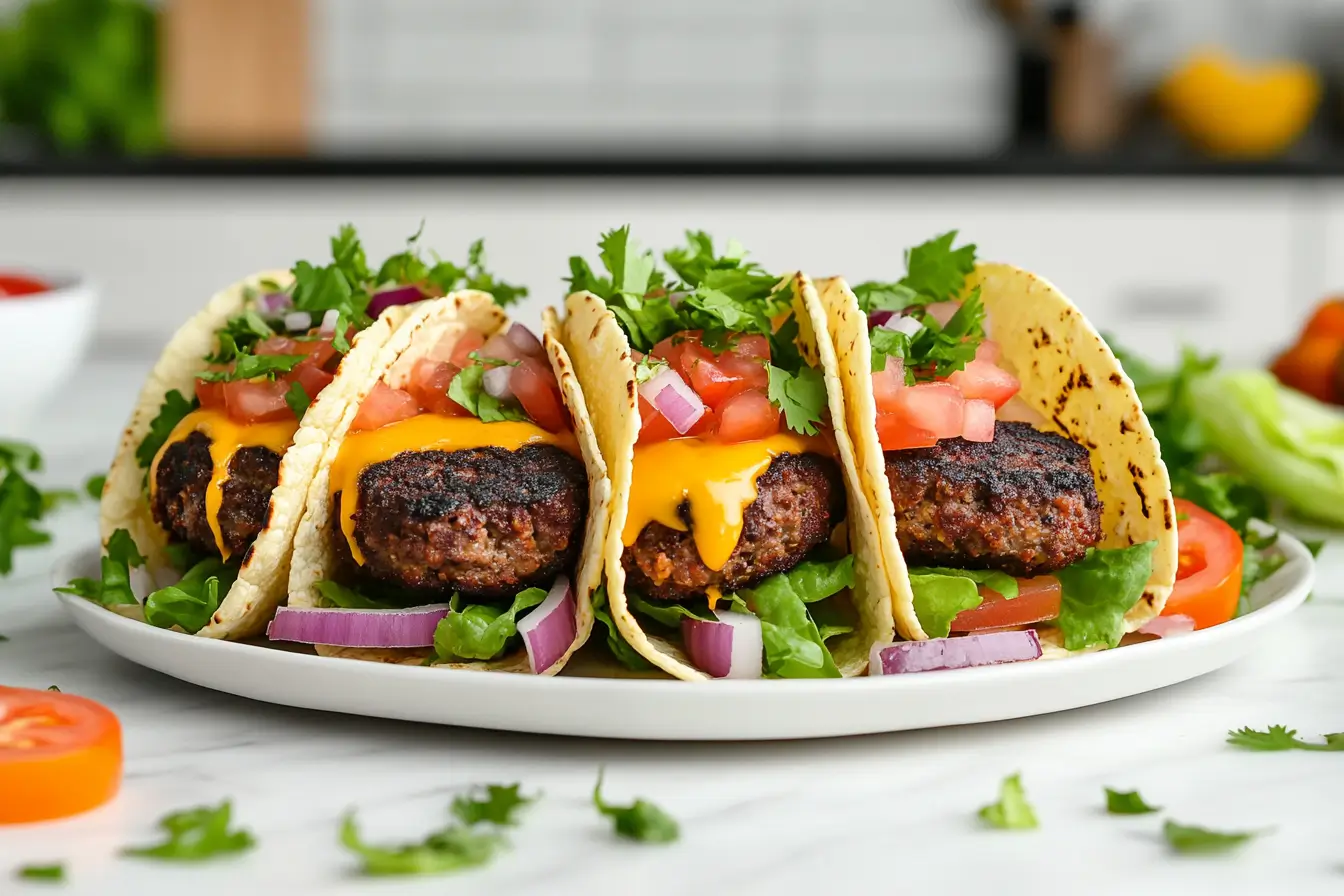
[204, 494]
[456, 518]
[1019, 490]
[736, 546]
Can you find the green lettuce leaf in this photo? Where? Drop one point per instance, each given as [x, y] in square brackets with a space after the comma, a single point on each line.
[468, 390]
[194, 599]
[481, 631]
[794, 646]
[337, 595]
[940, 594]
[620, 648]
[668, 613]
[1097, 591]
[175, 406]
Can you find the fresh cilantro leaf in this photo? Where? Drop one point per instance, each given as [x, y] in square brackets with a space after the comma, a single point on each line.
[22, 504]
[194, 599]
[239, 336]
[1012, 811]
[93, 486]
[1127, 802]
[874, 296]
[175, 406]
[641, 820]
[498, 805]
[297, 399]
[885, 343]
[114, 587]
[468, 390]
[648, 367]
[935, 271]
[1258, 562]
[480, 631]
[406, 268]
[337, 595]
[800, 396]
[1196, 840]
[477, 277]
[4, 638]
[488, 363]
[616, 643]
[450, 849]
[54, 872]
[347, 254]
[940, 594]
[582, 279]
[249, 367]
[1098, 590]
[633, 270]
[195, 835]
[1280, 737]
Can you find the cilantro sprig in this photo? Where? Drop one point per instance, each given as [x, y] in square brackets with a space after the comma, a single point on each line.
[497, 804]
[1191, 839]
[1280, 737]
[1127, 802]
[195, 835]
[1012, 811]
[453, 848]
[22, 504]
[52, 873]
[641, 820]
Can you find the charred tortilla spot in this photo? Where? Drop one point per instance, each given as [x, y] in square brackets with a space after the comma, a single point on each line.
[1136, 471]
[1045, 336]
[1117, 380]
[1084, 381]
[596, 328]
[1166, 514]
[1124, 427]
[1143, 499]
[1062, 427]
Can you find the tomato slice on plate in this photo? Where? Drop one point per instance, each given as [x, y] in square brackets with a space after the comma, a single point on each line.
[1208, 571]
[59, 755]
[1037, 601]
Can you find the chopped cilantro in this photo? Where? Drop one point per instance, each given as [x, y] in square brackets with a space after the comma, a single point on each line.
[450, 849]
[641, 820]
[93, 486]
[800, 396]
[239, 336]
[1127, 802]
[499, 804]
[1196, 840]
[297, 399]
[195, 835]
[54, 872]
[1280, 737]
[249, 367]
[468, 390]
[1012, 811]
[175, 406]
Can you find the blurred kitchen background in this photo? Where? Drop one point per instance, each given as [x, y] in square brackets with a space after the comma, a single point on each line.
[1173, 166]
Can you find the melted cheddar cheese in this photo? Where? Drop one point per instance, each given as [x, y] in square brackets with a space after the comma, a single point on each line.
[425, 432]
[226, 439]
[718, 481]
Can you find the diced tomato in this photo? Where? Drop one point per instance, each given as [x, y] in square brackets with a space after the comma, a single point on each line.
[747, 416]
[533, 384]
[937, 407]
[311, 377]
[1208, 569]
[896, 433]
[1311, 366]
[469, 342]
[986, 382]
[211, 395]
[257, 401]
[320, 352]
[654, 427]
[887, 385]
[429, 384]
[752, 346]
[384, 405]
[277, 345]
[716, 381]
[989, 351]
[1037, 601]
[977, 421]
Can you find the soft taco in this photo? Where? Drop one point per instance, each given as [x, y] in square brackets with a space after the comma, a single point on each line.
[738, 546]
[204, 495]
[457, 515]
[1019, 491]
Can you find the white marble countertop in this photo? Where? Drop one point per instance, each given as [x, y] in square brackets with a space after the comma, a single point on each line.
[889, 813]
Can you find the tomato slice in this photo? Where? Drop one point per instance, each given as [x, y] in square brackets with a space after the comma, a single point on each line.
[747, 416]
[467, 343]
[382, 406]
[18, 285]
[983, 381]
[717, 380]
[887, 386]
[978, 421]
[1208, 571]
[533, 384]
[1311, 366]
[989, 351]
[1037, 601]
[59, 755]
[429, 384]
[1327, 320]
[257, 401]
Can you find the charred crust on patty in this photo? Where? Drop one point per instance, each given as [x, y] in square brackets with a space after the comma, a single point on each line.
[485, 522]
[800, 498]
[1025, 503]
[180, 485]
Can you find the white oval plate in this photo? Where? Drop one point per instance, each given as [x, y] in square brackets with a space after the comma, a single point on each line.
[674, 710]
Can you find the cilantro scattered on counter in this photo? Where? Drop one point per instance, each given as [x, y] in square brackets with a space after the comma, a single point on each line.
[175, 406]
[1127, 802]
[481, 631]
[1202, 841]
[52, 687]
[54, 873]
[93, 486]
[22, 504]
[453, 848]
[4, 638]
[620, 648]
[114, 587]
[1280, 737]
[641, 820]
[195, 835]
[499, 805]
[1012, 811]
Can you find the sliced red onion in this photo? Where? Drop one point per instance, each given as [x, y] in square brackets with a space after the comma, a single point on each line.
[298, 321]
[942, 311]
[954, 653]
[329, 321]
[880, 317]
[499, 346]
[525, 340]
[550, 629]
[729, 648]
[412, 627]
[496, 382]
[1166, 626]
[401, 295]
[674, 399]
[902, 324]
[275, 302]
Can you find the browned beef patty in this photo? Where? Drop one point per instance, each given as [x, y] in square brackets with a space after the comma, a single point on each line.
[1024, 504]
[179, 494]
[485, 522]
[799, 500]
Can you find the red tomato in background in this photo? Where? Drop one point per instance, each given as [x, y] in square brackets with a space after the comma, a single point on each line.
[1209, 567]
[12, 285]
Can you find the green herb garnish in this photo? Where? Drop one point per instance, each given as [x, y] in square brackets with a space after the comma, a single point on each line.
[1202, 841]
[1279, 737]
[1127, 802]
[196, 835]
[55, 872]
[452, 848]
[495, 803]
[1012, 811]
[641, 820]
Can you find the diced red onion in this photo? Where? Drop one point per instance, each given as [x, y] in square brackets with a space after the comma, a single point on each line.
[275, 302]
[880, 317]
[525, 340]
[329, 321]
[1166, 626]
[675, 298]
[674, 399]
[896, 367]
[550, 629]
[298, 321]
[942, 311]
[729, 648]
[401, 295]
[954, 653]
[902, 324]
[977, 421]
[988, 350]
[499, 346]
[413, 627]
[496, 382]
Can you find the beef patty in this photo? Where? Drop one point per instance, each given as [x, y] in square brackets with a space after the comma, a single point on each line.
[1024, 504]
[799, 500]
[486, 522]
[180, 483]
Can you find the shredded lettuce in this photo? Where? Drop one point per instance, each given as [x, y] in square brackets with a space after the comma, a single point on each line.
[481, 631]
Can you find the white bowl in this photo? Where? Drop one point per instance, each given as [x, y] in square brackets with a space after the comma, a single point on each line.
[42, 340]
